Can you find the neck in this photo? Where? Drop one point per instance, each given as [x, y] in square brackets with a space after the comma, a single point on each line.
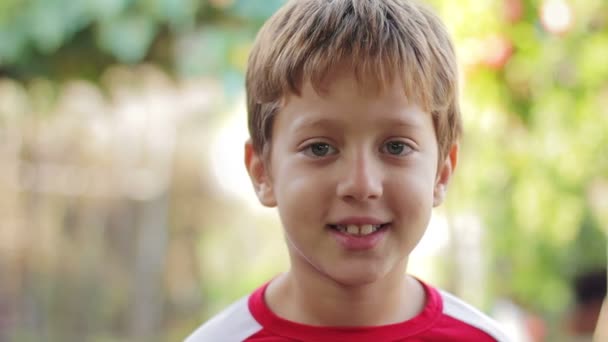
[309, 297]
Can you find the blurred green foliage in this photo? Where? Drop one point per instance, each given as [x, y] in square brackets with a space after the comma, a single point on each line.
[64, 39]
[534, 149]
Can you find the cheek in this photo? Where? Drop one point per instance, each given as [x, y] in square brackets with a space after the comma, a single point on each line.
[302, 195]
[412, 195]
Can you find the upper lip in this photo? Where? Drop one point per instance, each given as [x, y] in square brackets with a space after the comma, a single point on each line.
[359, 220]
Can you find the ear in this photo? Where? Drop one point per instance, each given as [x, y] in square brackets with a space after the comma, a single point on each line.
[258, 173]
[444, 174]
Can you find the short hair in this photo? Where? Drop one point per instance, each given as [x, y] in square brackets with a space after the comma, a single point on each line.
[383, 40]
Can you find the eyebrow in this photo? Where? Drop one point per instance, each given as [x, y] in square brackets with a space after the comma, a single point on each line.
[316, 123]
[401, 123]
[332, 123]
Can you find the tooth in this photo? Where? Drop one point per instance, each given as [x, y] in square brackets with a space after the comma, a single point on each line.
[352, 229]
[367, 229]
[342, 228]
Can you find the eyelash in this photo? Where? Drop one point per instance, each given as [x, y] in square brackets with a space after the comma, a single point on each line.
[308, 148]
[402, 144]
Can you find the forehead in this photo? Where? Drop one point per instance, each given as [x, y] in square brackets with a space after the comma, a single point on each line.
[343, 100]
[347, 78]
[346, 87]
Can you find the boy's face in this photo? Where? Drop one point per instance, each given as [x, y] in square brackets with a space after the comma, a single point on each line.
[344, 164]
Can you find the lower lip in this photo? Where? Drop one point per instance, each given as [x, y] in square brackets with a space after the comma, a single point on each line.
[363, 242]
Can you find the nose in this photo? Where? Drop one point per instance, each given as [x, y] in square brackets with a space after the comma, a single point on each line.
[361, 179]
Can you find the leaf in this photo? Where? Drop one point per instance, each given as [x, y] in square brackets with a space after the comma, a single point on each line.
[128, 37]
[104, 9]
[47, 26]
[179, 14]
[12, 44]
[255, 10]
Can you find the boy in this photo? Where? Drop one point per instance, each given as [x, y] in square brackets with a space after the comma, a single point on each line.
[354, 121]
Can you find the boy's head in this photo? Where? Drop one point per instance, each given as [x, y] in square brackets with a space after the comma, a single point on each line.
[381, 41]
[353, 117]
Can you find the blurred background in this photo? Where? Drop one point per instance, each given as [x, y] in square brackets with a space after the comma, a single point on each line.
[126, 213]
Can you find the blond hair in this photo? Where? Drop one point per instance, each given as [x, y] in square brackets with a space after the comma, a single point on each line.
[382, 39]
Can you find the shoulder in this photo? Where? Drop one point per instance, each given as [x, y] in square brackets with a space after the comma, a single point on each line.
[234, 323]
[463, 312]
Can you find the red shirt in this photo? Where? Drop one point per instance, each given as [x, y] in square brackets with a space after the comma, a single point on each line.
[444, 318]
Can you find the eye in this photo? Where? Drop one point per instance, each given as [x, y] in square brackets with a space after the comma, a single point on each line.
[319, 150]
[396, 148]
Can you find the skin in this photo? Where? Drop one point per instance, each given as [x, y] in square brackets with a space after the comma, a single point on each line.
[350, 152]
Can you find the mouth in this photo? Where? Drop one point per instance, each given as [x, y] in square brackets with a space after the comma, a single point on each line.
[358, 230]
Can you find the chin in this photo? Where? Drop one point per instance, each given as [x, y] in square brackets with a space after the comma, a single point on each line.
[352, 278]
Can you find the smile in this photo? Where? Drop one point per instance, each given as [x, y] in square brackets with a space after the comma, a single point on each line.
[358, 230]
